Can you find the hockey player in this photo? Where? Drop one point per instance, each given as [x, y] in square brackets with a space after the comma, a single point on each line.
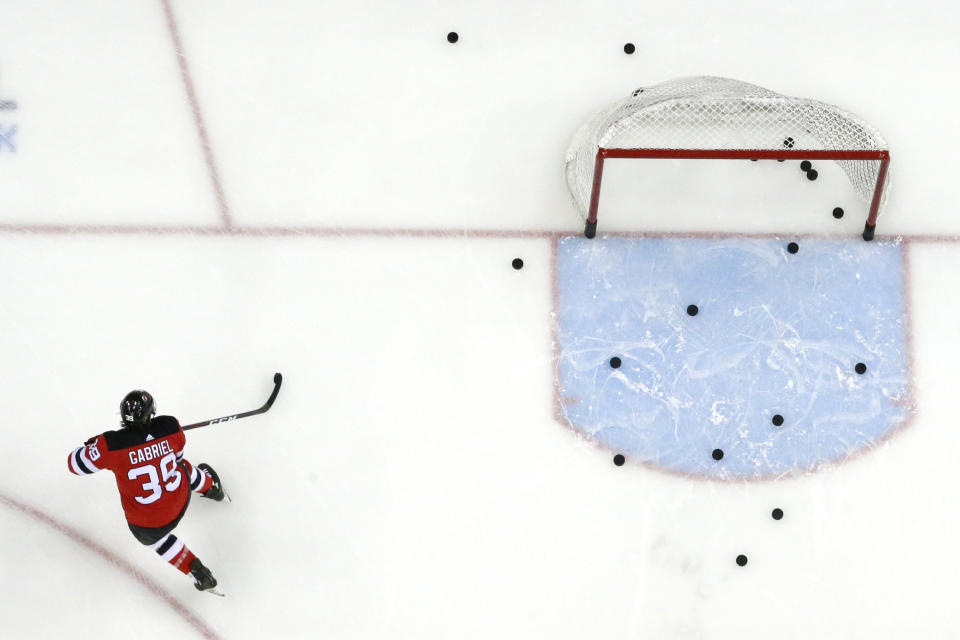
[154, 479]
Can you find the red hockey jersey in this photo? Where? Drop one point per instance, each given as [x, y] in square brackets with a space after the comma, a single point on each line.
[153, 483]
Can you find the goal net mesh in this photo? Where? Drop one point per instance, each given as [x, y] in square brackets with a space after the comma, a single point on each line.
[709, 113]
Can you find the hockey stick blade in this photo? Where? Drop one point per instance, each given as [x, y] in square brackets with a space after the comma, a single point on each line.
[277, 380]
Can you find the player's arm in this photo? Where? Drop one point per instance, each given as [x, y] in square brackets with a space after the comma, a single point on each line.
[85, 460]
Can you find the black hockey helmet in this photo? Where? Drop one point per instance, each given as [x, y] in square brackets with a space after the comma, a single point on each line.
[137, 409]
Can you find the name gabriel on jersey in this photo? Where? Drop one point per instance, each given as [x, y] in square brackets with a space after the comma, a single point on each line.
[152, 452]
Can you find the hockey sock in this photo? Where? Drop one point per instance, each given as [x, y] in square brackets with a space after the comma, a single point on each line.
[199, 481]
[175, 552]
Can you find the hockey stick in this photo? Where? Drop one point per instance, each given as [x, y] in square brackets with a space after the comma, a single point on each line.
[277, 379]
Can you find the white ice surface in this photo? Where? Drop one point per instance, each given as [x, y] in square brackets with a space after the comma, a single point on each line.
[411, 481]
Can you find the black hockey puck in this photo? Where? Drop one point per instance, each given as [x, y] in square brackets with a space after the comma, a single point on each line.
[619, 459]
[806, 165]
[692, 310]
[452, 37]
[860, 368]
[812, 174]
[777, 514]
[629, 48]
[718, 454]
[517, 263]
[837, 213]
[788, 143]
[741, 560]
[615, 362]
[793, 247]
[777, 420]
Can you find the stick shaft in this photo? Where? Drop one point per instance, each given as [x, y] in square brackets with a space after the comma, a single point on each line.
[277, 380]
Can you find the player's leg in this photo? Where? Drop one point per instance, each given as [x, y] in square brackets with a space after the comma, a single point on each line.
[175, 552]
[172, 549]
[204, 480]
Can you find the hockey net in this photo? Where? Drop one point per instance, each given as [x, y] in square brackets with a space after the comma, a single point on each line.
[720, 118]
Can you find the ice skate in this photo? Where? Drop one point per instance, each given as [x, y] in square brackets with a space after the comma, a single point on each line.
[203, 580]
[215, 492]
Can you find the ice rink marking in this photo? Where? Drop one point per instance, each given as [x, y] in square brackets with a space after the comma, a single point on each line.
[111, 558]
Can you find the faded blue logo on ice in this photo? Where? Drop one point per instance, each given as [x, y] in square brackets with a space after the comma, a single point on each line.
[8, 128]
[775, 335]
[8, 141]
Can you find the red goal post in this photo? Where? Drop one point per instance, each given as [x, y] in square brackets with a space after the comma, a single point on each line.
[723, 119]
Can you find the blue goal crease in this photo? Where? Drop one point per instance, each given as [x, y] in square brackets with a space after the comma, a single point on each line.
[774, 333]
